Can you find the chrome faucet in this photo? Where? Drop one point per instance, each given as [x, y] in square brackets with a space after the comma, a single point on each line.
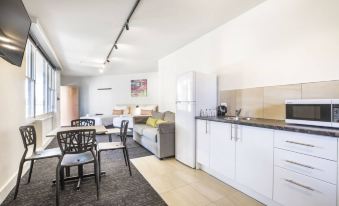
[237, 112]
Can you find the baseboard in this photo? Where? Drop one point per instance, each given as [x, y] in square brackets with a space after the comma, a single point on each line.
[233, 183]
[7, 188]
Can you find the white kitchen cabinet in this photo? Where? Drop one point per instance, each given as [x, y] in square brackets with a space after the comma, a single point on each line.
[254, 159]
[222, 149]
[203, 142]
[315, 145]
[294, 189]
[308, 165]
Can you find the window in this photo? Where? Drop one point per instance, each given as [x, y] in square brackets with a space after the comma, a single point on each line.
[40, 83]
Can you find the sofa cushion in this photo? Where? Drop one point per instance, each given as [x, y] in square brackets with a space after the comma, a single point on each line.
[150, 133]
[117, 112]
[146, 112]
[138, 128]
[169, 116]
[158, 115]
[152, 122]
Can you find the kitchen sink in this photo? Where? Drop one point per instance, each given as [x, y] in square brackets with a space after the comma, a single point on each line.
[237, 118]
[232, 118]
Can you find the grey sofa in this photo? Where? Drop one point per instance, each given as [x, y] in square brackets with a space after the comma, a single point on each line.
[159, 140]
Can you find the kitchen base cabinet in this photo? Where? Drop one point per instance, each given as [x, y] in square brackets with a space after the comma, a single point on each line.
[222, 150]
[293, 189]
[254, 159]
[277, 168]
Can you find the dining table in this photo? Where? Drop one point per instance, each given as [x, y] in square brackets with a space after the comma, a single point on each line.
[100, 129]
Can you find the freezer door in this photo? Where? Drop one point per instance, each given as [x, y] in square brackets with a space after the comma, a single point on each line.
[186, 87]
[206, 91]
[185, 133]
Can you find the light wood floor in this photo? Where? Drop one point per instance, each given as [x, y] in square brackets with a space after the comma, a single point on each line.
[180, 185]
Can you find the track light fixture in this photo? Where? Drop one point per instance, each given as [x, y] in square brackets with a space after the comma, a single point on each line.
[125, 26]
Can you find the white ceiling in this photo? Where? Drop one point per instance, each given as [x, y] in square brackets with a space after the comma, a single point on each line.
[83, 31]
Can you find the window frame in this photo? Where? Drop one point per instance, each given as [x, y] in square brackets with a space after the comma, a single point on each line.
[49, 75]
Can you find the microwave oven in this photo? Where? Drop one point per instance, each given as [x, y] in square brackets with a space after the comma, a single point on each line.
[315, 112]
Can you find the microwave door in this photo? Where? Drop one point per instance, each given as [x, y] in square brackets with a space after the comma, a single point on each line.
[309, 114]
[335, 115]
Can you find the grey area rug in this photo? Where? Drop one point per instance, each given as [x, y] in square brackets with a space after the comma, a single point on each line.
[116, 187]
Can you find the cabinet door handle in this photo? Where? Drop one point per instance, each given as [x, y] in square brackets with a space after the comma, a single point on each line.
[299, 143]
[299, 164]
[300, 185]
[236, 133]
[206, 127]
[231, 132]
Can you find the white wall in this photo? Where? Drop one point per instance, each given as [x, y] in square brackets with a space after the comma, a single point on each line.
[12, 110]
[275, 43]
[102, 101]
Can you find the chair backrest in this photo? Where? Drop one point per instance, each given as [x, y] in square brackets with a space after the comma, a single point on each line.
[123, 131]
[28, 136]
[76, 141]
[82, 122]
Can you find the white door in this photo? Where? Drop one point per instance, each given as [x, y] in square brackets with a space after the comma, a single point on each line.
[203, 142]
[254, 159]
[222, 147]
[186, 87]
[185, 133]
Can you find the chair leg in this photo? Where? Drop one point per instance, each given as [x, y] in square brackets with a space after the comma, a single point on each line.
[30, 172]
[68, 171]
[99, 162]
[97, 176]
[19, 175]
[129, 164]
[62, 178]
[57, 182]
[124, 152]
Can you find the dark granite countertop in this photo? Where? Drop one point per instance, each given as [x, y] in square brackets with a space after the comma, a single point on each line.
[278, 125]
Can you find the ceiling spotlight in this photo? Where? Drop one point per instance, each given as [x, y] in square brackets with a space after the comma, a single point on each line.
[101, 71]
[115, 46]
[127, 27]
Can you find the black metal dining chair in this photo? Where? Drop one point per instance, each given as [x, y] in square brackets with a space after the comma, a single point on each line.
[107, 146]
[28, 135]
[79, 123]
[77, 148]
[82, 122]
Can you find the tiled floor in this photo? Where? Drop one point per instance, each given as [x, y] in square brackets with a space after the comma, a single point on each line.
[180, 185]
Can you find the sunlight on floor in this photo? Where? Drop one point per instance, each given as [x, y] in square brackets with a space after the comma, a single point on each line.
[180, 185]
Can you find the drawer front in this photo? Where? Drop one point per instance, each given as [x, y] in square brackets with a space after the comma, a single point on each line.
[315, 145]
[308, 165]
[293, 189]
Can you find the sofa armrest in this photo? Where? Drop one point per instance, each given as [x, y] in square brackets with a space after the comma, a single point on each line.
[166, 139]
[166, 128]
[140, 119]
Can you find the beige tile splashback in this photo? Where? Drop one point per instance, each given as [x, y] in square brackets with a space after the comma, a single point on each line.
[274, 99]
[251, 102]
[321, 90]
[269, 102]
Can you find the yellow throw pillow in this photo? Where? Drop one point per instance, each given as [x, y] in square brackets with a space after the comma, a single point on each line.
[152, 122]
[160, 121]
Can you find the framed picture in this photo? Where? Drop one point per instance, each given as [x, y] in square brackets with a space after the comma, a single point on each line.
[139, 88]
